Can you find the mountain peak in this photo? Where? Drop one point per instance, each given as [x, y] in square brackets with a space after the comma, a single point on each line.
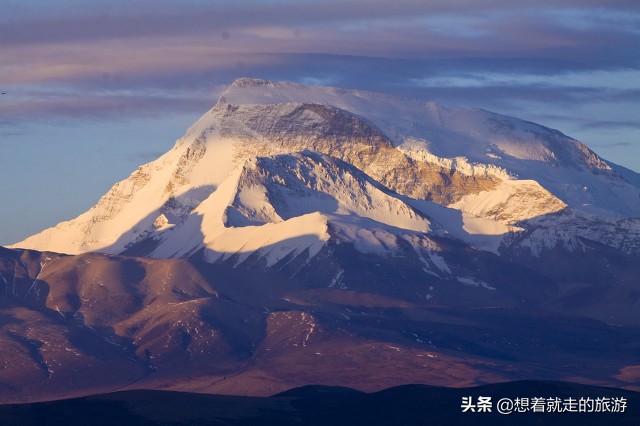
[492, 171]
[251, 82]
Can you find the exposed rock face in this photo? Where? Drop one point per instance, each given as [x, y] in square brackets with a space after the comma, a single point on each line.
[430, 313]
[488, 167]
[301, 235]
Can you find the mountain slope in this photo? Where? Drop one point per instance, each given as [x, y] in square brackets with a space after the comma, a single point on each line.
[413, 149]
[321, 405]
[302, 235]
[92, 323]
[472, 141]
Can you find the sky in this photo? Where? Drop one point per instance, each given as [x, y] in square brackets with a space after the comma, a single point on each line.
[91, 89]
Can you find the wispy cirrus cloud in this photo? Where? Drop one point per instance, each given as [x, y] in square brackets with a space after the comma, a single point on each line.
[147, 36]
[86, 59]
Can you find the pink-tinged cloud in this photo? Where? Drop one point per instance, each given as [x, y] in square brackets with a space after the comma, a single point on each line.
[89, 54]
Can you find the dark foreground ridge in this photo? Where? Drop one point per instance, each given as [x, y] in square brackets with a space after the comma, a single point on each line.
[322, 405]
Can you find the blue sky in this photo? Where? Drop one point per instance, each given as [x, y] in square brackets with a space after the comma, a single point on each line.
[95, 88]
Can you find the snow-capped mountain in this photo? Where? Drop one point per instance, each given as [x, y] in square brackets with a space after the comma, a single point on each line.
[299, 235]
[274, 167]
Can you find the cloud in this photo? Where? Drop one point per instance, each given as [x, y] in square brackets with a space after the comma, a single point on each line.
[610, 79]
[373, 28]
[92, 60]
[10, 134]
[608, 124]
[142, 157]
[614, 144]
[97, 107]
[114, 91]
